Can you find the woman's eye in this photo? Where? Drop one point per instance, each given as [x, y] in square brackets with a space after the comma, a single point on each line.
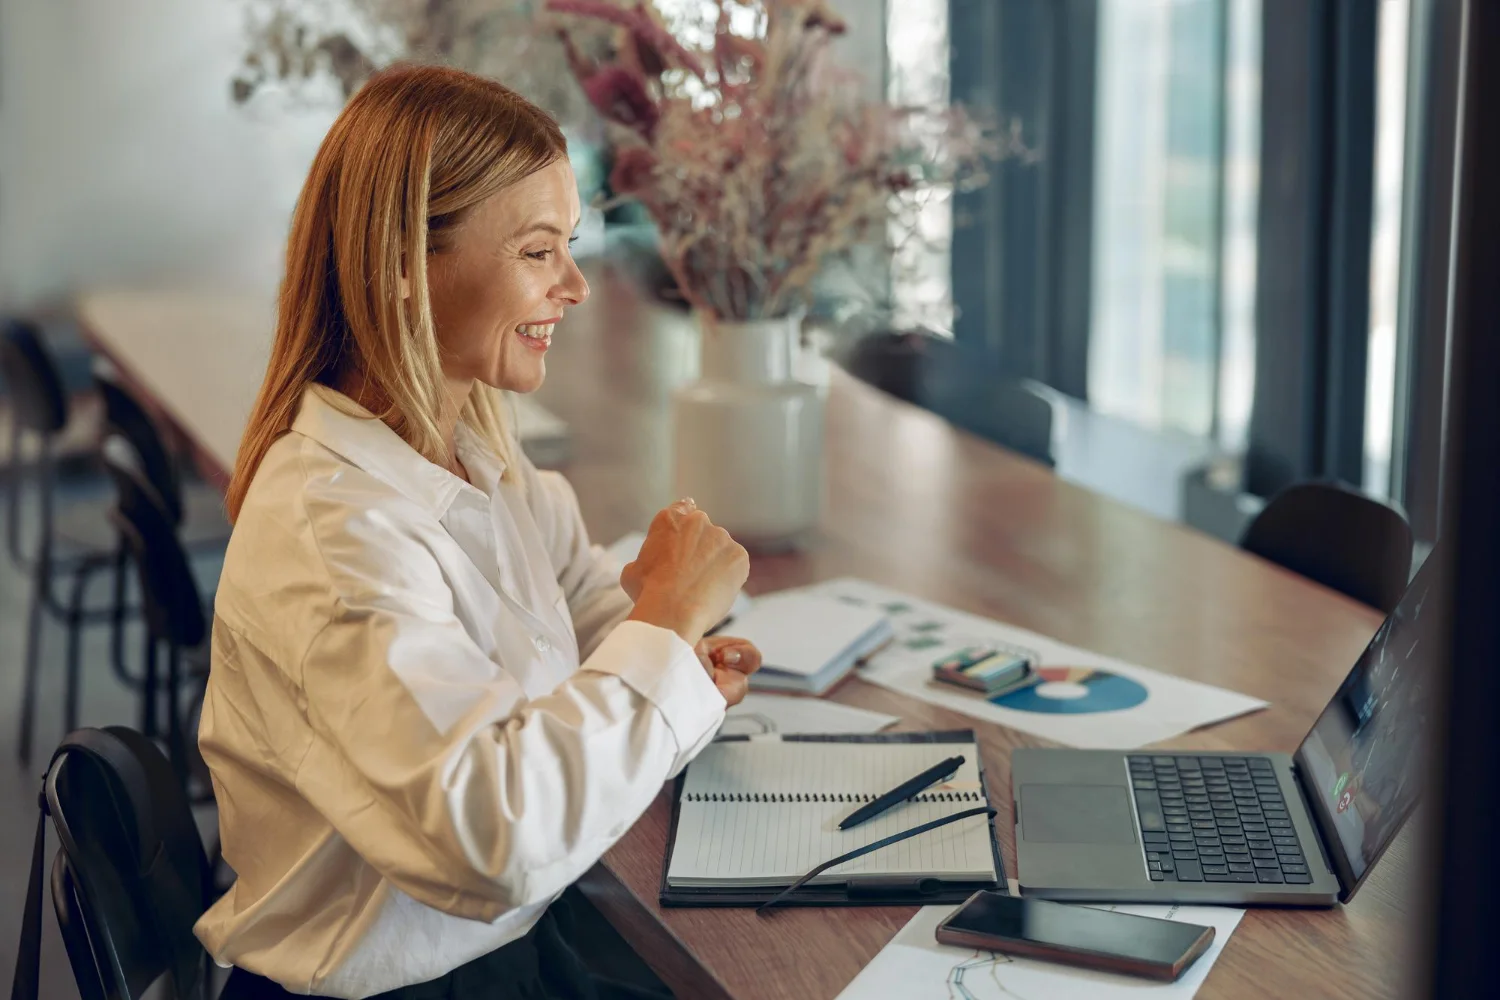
[544, 254]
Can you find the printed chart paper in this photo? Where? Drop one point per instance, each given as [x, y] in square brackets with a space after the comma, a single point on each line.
[1085, 699]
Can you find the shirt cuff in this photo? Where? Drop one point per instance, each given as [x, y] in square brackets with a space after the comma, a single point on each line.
[659, 666]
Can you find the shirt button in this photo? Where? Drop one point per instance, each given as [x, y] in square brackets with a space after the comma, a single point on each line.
[541, 644]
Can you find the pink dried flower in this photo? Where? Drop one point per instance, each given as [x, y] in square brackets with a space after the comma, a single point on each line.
[582, 67]
[732, 50]
[632, 170]
[822, 16]
[620, 96]
[650, 61]
[645, 30]
[762, 169]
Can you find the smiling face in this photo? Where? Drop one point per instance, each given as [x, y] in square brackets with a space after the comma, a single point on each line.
[505, 279]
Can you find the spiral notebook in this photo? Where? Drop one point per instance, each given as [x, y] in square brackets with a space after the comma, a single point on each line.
[753, 815]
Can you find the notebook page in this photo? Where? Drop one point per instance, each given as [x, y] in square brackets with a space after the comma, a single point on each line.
[786, 767]
[765, 812]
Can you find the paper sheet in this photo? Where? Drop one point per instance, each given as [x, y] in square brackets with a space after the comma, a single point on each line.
[775, 713]
[915, 967]
[1088, 700]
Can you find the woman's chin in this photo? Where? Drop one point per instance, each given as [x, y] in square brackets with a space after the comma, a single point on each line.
[524, 381]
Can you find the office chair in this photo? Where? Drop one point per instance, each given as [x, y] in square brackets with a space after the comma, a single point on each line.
[1000, 410]
[892, 362]
[80, 548]
[131, 877]
[170, 606]
[958, 385]
[196, 510]
[1338, 537]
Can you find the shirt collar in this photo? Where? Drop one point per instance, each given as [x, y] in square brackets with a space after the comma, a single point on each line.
[484, 466]
[341, 425]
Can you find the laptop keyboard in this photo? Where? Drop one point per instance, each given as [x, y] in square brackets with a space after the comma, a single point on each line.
[1215, 819]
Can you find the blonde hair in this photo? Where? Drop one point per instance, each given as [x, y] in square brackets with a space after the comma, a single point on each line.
[410, 156]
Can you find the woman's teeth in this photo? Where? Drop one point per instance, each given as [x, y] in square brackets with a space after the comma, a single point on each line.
[541, 332]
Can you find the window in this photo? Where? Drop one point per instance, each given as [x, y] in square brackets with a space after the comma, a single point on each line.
[1146, 267]
[1241, 202]
[1171, 338]
[1385, 241]
[917, 74]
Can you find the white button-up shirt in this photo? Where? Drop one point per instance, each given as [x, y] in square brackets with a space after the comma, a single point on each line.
[426, 716]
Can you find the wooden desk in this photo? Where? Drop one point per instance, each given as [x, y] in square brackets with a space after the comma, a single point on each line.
[199, 357]
[913, 504]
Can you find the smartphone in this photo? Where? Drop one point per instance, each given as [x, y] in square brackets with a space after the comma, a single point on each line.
[1076, 935]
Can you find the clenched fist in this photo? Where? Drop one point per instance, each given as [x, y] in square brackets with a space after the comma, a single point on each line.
[687, 573]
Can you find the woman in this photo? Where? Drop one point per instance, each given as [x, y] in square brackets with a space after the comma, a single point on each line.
[432, 704]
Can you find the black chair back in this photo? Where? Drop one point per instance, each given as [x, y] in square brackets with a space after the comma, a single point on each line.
[125, 417]
[893, 362]
[1003, 411]
[40, 403]
[1341, 538]
[131, 877]
[68, 904]
[965, 389]
[170, 601]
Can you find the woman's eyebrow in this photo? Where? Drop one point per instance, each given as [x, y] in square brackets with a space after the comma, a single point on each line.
[543, 227]
[539, 227]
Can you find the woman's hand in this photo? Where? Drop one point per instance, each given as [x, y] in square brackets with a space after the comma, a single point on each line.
[730, 662]
[687, 573]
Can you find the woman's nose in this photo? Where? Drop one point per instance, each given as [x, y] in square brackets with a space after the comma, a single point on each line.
[574, 287]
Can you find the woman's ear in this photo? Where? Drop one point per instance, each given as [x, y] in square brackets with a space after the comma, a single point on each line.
[404, 282]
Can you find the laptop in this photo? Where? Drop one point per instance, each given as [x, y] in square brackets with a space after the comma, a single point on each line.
[1245, 828]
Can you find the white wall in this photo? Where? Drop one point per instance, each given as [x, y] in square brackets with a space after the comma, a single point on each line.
[124, 162]
[122, 158]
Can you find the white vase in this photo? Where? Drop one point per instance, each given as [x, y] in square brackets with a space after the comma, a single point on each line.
[748, 435]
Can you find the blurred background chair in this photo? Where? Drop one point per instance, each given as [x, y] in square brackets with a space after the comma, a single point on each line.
[172, 609]
[195, 508]
[75, 541]
[962, 388]
[893, 362]
[131, 877]
[1338, 537]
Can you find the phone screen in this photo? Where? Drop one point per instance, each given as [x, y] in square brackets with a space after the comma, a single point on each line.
[1076, 928]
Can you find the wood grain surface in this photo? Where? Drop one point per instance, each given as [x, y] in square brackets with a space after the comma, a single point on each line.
[911, 503]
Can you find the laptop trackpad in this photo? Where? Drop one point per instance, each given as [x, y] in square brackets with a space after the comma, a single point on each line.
[1076, 814]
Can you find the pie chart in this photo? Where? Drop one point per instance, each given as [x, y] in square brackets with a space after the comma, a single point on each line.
[1075, 691]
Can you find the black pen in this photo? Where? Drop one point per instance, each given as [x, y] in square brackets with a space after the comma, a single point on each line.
[902, 792]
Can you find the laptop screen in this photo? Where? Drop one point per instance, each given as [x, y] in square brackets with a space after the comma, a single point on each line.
[1365, 758]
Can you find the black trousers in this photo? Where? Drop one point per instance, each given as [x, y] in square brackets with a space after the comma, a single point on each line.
[542, 965]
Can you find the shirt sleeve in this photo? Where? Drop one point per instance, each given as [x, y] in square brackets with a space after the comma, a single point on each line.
[587, 574]
[429, 759]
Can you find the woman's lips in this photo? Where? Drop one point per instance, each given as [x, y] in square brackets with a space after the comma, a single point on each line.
[537, 336]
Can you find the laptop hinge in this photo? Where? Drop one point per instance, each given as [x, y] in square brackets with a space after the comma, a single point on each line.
[1320, 828]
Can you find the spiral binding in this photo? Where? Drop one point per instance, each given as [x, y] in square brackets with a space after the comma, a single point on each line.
[947, 796]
